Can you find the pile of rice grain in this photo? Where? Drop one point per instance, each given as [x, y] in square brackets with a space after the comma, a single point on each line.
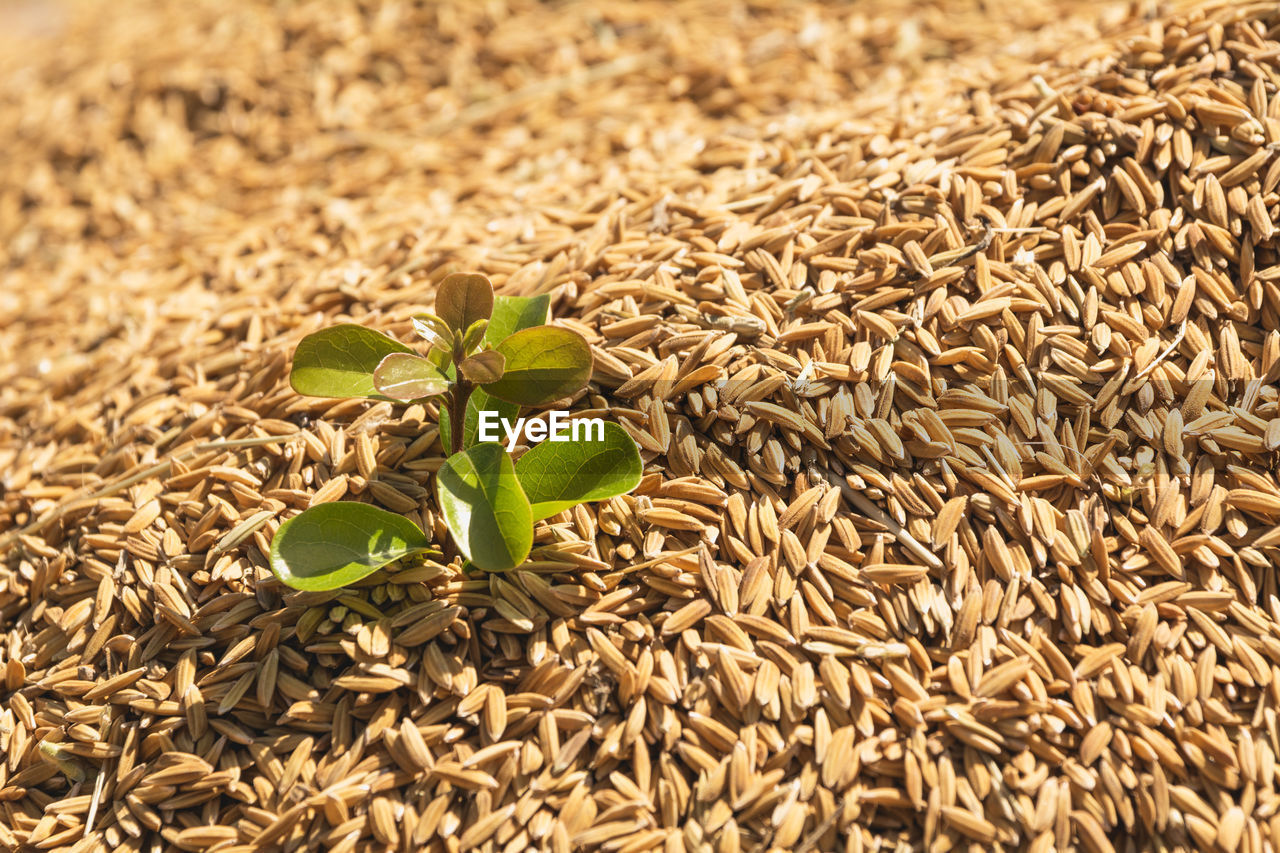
[957, 396]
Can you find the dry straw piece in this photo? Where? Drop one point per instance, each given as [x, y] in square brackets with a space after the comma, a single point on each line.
[950, 335]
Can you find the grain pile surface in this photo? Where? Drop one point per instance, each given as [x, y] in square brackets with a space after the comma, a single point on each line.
[950, 336]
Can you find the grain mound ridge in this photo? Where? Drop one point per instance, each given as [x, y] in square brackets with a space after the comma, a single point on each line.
[959, 525]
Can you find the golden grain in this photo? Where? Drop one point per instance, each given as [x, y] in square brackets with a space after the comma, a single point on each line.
[958, 408]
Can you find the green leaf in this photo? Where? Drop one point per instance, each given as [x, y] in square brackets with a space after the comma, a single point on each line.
[513, 313]
[442, 358]
[483, 367]
[340, 361]
[432, 328]
[544, 363]
[403, 376]
[478, 402]
[556, 475]
[474, 335]
[336, 544]
[485, 508]
[464, 298]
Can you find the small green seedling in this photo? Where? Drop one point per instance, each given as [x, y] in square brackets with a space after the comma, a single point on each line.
[484, 354]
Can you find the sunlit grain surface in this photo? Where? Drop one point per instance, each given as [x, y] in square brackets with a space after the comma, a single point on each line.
[948, 333]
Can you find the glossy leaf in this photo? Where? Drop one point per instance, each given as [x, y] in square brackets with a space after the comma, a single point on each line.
[340, 361]
[477, 403]
[483, 367]
[402, 376]
[544, 363]
[471, 340]
[556, 475]
[513, 313]
[485, 508]
[432, 328]
[333, 545]
[462, 299]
